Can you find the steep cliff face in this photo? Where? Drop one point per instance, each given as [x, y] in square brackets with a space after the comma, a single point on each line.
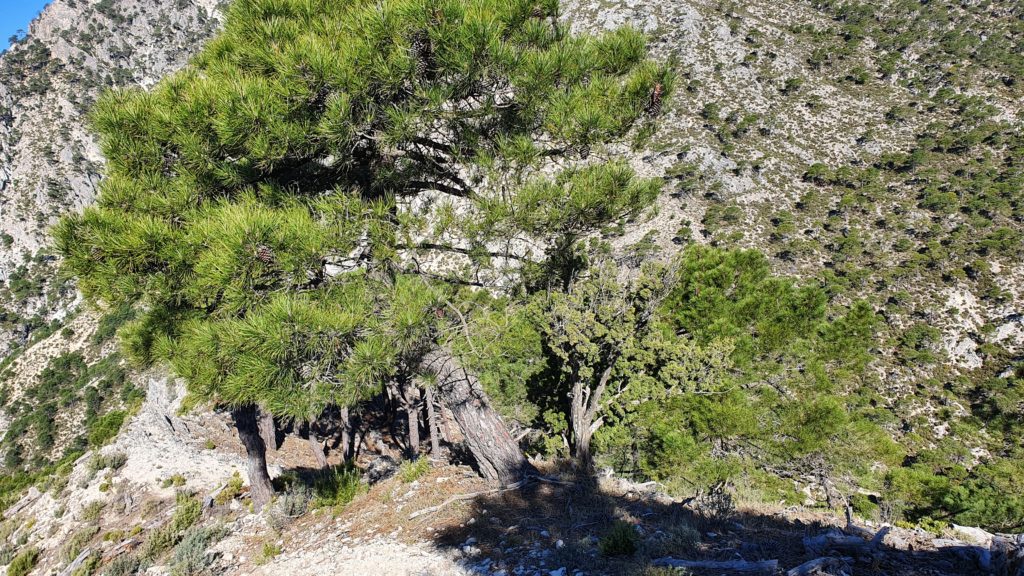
[49, 162]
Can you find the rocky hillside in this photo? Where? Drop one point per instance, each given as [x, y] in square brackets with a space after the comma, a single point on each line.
[873, 150]
[49, 163]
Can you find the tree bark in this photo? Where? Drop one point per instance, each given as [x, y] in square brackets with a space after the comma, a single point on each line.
[267, 429]
[411, 403]
[317, 445]
[583, 415]
[346, 435]
[246, 422]
[497, 455]
[435, 442]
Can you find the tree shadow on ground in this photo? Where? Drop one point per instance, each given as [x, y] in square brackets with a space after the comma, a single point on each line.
[544, 527]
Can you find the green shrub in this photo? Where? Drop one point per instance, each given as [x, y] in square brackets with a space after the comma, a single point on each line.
[336, 486]
[269, 551]
[190, 557]
[77, 543]
[176, 480]
[188, 510]
[410, 471]
[23, 563]
[231, 490]
[124, 566]
[158, 542]
[92, 510]
[105, 427]
[113, 461]
[863, 506]
[620, 540]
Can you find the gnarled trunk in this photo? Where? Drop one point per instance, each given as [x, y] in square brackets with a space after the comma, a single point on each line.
[497, 455]
[584, 407]
[246, 422]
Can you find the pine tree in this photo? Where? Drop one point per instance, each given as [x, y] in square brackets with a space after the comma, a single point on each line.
[290, 210]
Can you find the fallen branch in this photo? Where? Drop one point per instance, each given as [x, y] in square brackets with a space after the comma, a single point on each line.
[126, 546]
[76, 563]
[767, 566]
[462, 497]
[834, 540]
[812, 567]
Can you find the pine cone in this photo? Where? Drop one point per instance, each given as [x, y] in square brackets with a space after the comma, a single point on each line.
[537, 12]
[584, 150]
[265, 254]
[654, 106]
[422, 52]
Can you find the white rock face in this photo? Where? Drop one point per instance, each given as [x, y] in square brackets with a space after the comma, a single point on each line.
[49, 160]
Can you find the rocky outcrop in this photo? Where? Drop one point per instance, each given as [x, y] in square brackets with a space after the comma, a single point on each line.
[49, 161]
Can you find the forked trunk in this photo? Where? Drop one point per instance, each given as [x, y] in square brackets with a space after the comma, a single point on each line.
[497, 455]
[260, 488]
[581, 433]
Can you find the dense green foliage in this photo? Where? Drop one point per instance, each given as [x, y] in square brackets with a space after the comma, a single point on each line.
[300, 214]
[309, 131]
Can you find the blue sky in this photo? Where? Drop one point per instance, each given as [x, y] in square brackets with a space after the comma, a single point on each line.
[15, 15]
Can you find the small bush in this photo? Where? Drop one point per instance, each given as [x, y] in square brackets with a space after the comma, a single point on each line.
[113, 461]
[186, 513]
[336, 486]
[23, 563]
[620, 540]
[716, 502]
[294, 501]
[177, 480]
[863, 506]
[124, 566]
[190, 557]
[92, 510]
[269, 552]
[106, 427]
[158, 542]
[231, 490]
[188, 510]
[678, 539]
[413, 470]
[77, 543]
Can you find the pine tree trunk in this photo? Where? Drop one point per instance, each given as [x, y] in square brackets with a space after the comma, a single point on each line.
[246, 422]
[267, 429]
[497, 455]
[346, 435]
[435, 442]
[317, 445]
[411, 403]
